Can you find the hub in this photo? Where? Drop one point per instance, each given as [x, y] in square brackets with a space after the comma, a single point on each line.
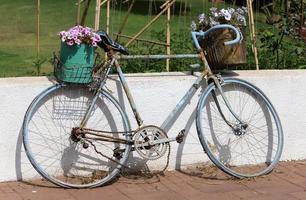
[240, 129]
[150, 142]
[75, 134]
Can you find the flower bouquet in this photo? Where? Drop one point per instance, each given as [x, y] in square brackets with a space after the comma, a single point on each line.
[218, 55]
[78, 35]
[77, 55]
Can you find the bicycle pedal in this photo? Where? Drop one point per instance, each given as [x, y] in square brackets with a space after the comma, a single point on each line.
[180, 137]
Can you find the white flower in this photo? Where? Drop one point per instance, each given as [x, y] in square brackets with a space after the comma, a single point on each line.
[231, 10]
[241, 19]
[245, 9]
[214, 11]
[226, 14]
[193, 26]
[212, 22]
[240, 11]
[201, 18]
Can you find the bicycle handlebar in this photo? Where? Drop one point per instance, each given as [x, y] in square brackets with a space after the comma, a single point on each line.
[238, 38]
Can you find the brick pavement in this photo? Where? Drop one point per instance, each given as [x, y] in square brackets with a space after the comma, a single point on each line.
[287, 181]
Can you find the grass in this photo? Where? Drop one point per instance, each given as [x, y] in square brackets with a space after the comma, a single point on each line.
[18, 29]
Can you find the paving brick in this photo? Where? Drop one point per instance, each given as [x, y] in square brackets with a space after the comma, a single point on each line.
[287, 181]
[271, 185]
[158, 195]
[273, 197]
[38, 193]
[10, 196]
[213, 188]
[246, 194]
[220, 196]
[299, 195]
[107, 192]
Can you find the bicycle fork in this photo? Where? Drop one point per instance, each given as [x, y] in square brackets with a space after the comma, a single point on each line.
[239, 129]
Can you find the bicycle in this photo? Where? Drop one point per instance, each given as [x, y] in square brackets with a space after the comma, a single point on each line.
[78, 136]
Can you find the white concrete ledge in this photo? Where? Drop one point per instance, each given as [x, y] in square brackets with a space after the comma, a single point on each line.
[156, 95]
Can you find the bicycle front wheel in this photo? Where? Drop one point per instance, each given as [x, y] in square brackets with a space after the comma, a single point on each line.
[53, 152]
[241, 151]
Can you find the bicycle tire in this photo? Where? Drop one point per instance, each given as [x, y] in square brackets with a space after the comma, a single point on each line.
[242, 155]
[50, 149]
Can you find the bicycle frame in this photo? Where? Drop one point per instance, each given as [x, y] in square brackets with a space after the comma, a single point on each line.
[206, 74]
[114, 62]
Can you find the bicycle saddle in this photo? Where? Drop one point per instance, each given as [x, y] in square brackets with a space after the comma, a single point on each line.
[107, 43]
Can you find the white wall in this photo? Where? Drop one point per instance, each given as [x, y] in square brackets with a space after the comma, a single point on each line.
[155, 96]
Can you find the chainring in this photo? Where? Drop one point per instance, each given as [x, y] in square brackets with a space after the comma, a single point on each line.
[144, 138]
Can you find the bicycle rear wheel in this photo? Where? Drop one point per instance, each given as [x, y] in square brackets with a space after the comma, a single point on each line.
[240, 152]
[55, 155]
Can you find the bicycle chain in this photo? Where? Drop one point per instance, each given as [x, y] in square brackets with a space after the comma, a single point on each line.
[125, 132]
[111, 159]
[168, 157]
[109, 132]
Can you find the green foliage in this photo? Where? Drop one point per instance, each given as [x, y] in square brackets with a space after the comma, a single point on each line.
[281, 52]
[180, 44]
[37, 64]
[18, 37]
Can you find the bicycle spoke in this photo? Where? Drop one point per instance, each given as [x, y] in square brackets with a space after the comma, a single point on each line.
[243, 153]
[66, 162]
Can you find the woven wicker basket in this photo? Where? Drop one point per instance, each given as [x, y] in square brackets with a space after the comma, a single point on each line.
[220, 56]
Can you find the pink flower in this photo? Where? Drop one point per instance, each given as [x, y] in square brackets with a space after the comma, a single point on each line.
[78, 35]
[78, 42]
[97, 37]
[70, 43]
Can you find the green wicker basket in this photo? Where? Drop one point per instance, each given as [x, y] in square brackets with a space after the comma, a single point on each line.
[75, 63]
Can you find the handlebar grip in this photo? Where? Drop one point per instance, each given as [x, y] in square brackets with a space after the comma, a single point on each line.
[195, 40]
[238, 38]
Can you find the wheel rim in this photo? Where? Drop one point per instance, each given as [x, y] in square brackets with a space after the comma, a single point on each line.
[54, 155]
[258, 149]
